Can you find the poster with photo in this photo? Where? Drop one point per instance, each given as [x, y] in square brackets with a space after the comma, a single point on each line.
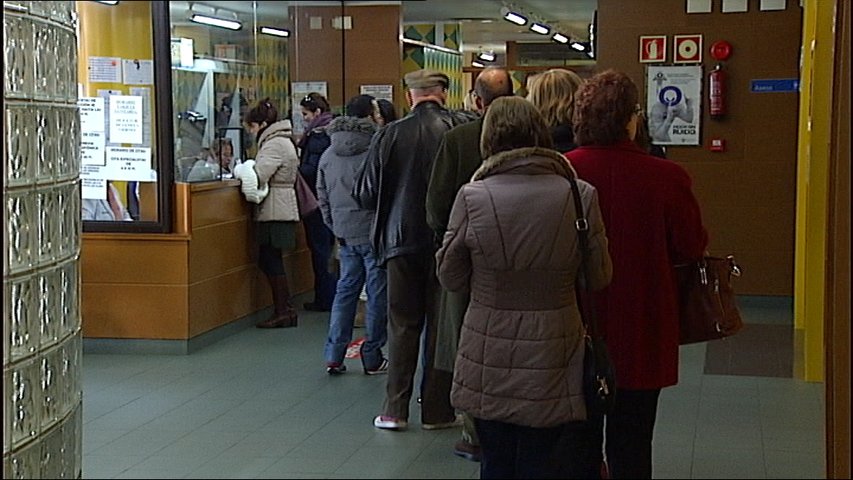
[674, 96]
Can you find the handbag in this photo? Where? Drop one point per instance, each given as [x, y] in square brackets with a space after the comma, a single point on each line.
[706, 300]
[599, 377]
[305, 199]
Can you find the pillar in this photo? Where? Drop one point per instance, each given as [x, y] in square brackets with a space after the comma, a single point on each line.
[42, 354]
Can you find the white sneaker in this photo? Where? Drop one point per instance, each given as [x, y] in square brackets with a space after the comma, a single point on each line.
[389, 423]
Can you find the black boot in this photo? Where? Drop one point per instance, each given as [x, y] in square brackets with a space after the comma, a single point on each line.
[284, 315]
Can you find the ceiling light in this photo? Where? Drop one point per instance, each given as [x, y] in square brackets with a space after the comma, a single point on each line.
[278, 32]
[559, 37]
[216, 22]
[105, 2]
[540, 28]
[487, 56]
[515, 18]
[477, 64]
[578, 46]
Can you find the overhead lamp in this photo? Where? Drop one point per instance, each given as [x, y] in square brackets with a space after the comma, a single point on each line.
[106, 2]
[515, 18]
[560, 38]
[578, 46]
[540, 28]
[216, 22]
[477, 64]
[278, 32]
[487, 56]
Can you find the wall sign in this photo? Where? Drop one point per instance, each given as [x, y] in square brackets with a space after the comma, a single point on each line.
[672, 102]
[652, 48]
[775, 85]
[687, 48]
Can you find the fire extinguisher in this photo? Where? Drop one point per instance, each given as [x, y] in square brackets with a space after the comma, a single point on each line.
[717, 91]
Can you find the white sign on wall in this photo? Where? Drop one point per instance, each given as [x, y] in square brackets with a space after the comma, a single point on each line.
[125, 119]
[129, 164]
[672, 103]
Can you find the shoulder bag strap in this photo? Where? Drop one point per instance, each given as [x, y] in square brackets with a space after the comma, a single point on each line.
[582, 227]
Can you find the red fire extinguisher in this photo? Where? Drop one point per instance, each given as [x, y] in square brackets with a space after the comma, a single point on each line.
[717, 91]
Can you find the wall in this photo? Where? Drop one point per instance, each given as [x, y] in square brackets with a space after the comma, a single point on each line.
[748, 193]
[42, 352]
[369, 53]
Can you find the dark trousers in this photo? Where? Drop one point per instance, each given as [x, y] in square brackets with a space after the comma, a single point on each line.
[412, 304]
[629, 432]
[513, 451]
[321, 241]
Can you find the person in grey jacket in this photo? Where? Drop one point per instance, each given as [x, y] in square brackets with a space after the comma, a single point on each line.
[350, 139]
[519, 364]
[277, 215]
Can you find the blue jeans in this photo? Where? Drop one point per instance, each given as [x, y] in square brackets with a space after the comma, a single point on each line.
[358, 263]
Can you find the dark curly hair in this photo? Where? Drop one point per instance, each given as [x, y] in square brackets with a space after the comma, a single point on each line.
[604, 105]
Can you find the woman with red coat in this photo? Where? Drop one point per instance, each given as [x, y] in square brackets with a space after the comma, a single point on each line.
[653, 222]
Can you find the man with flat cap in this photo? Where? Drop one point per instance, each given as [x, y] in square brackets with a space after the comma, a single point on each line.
[393, 182]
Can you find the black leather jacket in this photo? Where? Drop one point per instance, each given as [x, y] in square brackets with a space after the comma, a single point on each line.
[394, 177]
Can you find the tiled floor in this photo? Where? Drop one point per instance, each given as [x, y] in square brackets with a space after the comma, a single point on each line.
[260, 405]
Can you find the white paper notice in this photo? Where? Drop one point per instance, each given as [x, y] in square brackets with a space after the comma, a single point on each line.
[91, 114]
[92, 148]
[766, 5]
[93, 183]
[129, 164]
[138, 72]
[105, 69]
[734, 6]
[125, 119]
[698, 6]
[145, 93]
[379, 91]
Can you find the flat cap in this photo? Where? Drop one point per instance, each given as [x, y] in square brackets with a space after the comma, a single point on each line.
[426, 78]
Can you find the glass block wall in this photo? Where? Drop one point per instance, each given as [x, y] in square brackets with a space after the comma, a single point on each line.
[42, 345]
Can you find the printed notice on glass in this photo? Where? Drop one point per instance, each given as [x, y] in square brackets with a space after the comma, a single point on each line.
[379, 92]
[91, 114]
[92, 148]
[93, 183]
[672, 103]
[138, 72]
[125, 119]
[145, 93]
[105, 69]
[129, 164]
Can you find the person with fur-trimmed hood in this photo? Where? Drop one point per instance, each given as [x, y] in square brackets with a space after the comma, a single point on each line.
[350, 224]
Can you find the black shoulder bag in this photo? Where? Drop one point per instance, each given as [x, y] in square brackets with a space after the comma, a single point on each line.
[599, 379]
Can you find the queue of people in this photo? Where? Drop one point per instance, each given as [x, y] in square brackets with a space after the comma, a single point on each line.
[432, 216]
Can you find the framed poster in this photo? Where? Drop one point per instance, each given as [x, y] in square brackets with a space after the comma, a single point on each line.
[672, 104]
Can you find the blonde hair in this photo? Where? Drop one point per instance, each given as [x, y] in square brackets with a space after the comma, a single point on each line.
[553, 93]
[510, 123]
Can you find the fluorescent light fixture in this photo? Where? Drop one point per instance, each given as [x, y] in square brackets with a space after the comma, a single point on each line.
[486, 56]
[540, 29]
[559, 37]
[578, 46]
[515, 18]
[278, 32]
[105, 2]
[477, 64]
[216, 22]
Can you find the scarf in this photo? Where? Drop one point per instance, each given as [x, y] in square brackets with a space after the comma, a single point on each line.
[319, 121]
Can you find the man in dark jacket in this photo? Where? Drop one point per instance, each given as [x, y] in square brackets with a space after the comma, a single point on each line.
[393, 181]
[458, 158]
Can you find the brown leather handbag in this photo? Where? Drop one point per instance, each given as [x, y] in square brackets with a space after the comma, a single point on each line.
[706, 300]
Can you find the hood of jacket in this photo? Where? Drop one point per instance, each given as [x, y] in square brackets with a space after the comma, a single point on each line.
[526, 161]
[351, 135]
[281, 128]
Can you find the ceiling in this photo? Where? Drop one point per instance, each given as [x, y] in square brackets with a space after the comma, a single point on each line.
[483, 27]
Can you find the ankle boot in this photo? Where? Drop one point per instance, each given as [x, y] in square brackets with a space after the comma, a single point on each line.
[284, 315]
